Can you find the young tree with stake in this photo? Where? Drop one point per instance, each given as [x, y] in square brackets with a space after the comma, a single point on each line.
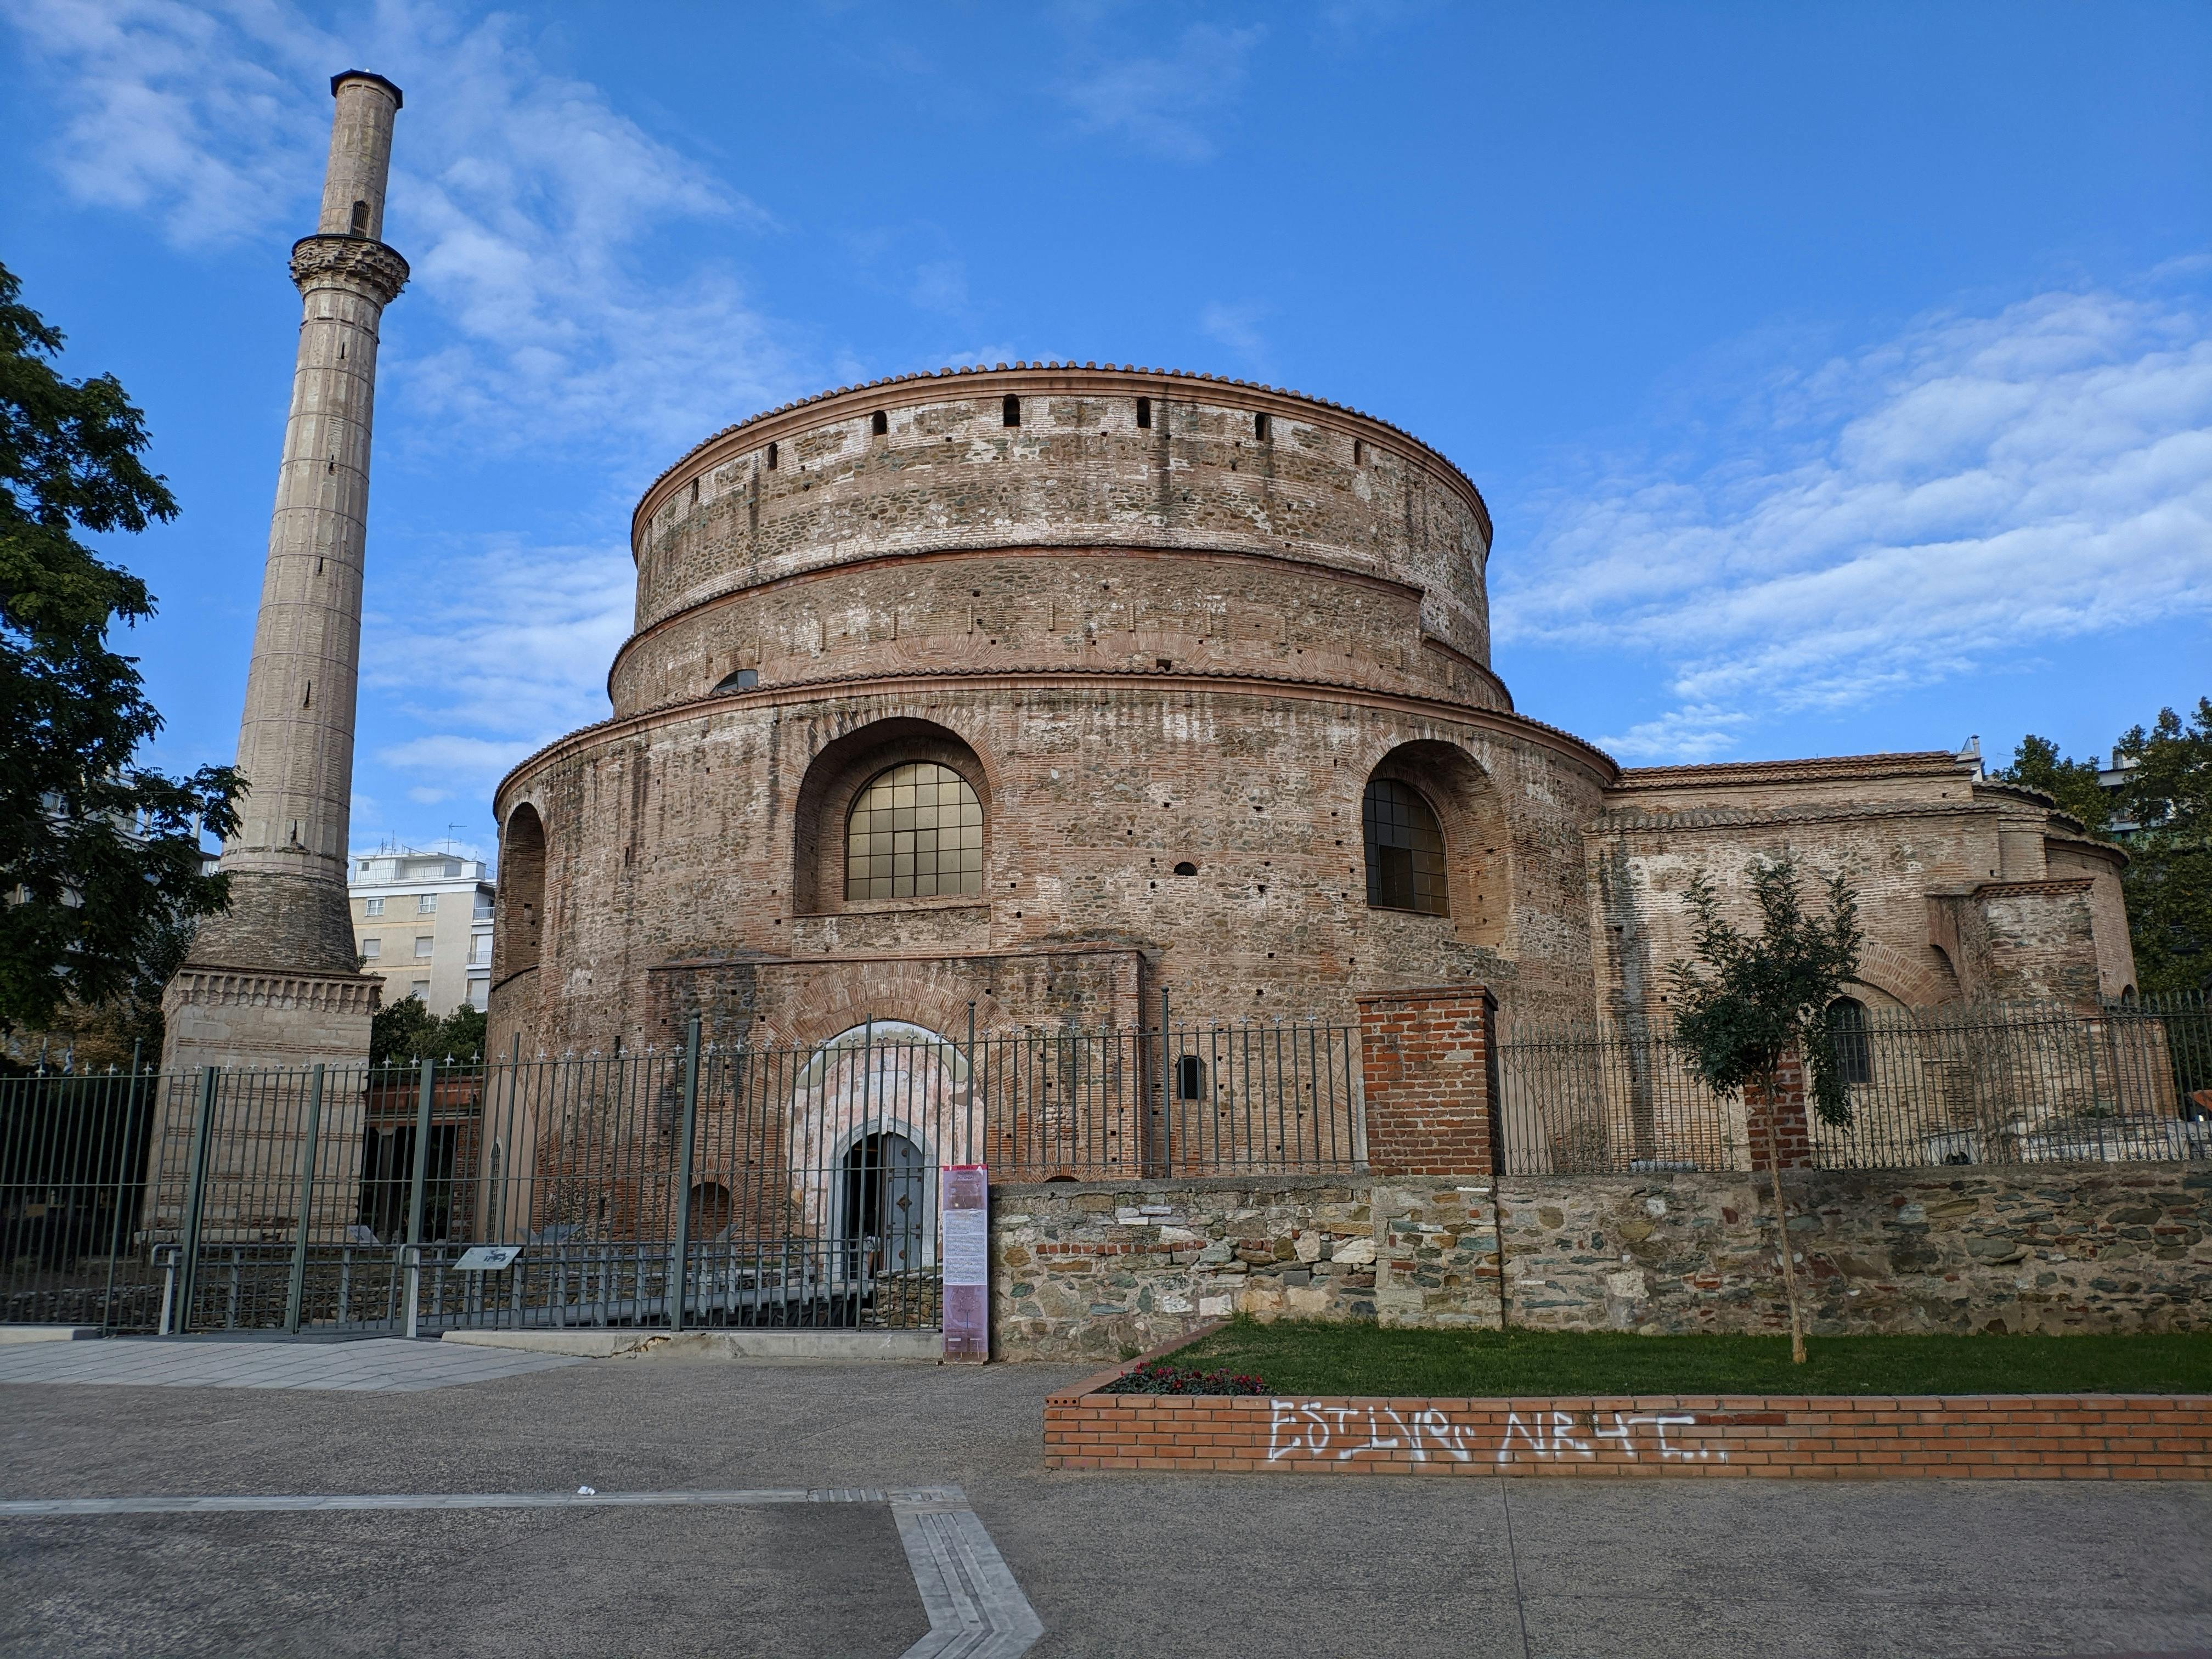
[1752, 999]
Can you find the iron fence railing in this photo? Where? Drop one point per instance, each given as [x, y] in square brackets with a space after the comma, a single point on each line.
[2010, 1083]
[746, 1186]
[801, 1182]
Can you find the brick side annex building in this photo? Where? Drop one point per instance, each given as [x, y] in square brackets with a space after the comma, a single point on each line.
[1053, 689]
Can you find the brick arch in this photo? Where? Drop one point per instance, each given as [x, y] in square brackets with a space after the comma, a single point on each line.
[844, 766]
[833, 1001]
[1916, 981]
[1478, 838]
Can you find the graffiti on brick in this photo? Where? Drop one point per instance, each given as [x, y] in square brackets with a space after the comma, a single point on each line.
[1315, 1430]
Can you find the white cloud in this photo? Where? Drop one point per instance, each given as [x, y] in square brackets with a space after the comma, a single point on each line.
[1162, 104]
[528, 207]
[1237, 327]
[517, 655]
[941, 285]
[1895, 517]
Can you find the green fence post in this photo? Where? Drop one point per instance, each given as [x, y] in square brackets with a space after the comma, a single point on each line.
[413, 1250]
[306, 1202]
[195, 1184]
[680, 1262]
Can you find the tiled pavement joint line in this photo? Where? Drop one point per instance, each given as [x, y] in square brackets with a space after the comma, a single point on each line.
[312, 1503]
[976, 1610]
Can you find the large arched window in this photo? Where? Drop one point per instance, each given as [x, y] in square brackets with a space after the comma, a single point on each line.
[915, 831]
[1404, 847]
[1847, 1030]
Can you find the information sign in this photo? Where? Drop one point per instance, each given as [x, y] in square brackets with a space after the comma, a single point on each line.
[967, 1260]
[486, 1258]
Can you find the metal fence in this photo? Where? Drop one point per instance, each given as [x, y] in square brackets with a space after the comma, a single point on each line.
[2011, 1083]
[698, 1187]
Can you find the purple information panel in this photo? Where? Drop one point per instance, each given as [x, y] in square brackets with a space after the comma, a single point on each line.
[967, 1260]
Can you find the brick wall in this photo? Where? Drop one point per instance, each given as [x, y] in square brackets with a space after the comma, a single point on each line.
[1429, 1073]
[2017, 1436]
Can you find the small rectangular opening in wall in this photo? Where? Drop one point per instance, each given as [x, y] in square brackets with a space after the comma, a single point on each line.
[1259, 426]
[1145, 413]
[879, 423]
[1358, 452]
[1010, 411]
[771, 458]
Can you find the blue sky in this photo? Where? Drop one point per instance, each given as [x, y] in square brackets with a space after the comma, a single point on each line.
[1839, 379]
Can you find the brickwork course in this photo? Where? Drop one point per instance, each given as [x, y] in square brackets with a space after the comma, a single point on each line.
[1168, 628]
[1981, 1436]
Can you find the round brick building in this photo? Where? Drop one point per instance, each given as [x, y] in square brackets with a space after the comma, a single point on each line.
[1056, 690]
[1053, 689]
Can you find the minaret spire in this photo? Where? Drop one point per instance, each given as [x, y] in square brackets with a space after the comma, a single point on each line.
[289, 917]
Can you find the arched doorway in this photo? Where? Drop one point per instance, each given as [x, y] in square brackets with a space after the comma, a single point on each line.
[884, 1205]
[877, 1111]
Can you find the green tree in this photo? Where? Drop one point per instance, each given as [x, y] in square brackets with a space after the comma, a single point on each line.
[2168, 882]
[100, 858]
[1751, 1000]
[406, 1033]
[2073, 784]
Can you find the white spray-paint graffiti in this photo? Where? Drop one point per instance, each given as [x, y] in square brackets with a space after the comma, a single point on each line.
[1317, 1430]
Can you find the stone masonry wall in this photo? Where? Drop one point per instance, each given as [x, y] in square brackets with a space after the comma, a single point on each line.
[1093, 1271]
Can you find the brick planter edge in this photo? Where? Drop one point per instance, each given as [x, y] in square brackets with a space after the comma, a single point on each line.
[1978, 1436]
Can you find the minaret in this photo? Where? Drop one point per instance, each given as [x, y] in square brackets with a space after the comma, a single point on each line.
[275, 980]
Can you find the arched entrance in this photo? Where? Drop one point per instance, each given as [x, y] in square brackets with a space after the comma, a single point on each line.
[884, 1204]
[877, 1110]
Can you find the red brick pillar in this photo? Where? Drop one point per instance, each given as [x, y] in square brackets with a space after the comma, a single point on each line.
[1782, 1116]
[1428, 1063]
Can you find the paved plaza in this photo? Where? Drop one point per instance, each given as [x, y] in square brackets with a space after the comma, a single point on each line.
[480, 1542]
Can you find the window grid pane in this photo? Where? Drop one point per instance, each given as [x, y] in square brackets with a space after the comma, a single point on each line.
[1405, 849]
[916, 832]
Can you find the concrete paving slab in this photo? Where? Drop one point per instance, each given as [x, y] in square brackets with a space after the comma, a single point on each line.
[1226, 1566]
[377, 1364]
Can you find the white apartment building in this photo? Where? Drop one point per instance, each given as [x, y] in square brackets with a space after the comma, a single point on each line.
[422, 923]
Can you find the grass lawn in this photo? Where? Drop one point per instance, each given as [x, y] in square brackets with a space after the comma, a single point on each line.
[1294, 1357]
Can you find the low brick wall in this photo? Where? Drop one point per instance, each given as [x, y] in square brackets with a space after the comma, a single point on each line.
[1979, 1436]
[1093, 1271]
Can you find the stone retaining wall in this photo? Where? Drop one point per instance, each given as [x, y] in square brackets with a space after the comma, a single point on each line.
[1096, 1271]
[2018, 1437]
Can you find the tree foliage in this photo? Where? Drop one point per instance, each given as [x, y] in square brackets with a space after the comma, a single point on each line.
[100, 858]
[2165, 793]
[2169, 881]
[1752, 998]
[2037, 764]
[406, 1032]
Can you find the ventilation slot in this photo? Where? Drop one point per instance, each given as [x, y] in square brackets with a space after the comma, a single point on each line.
[771, 458]
[1259, 426]
[880, 424]
[1358, 452]
[1145, 413]
[1010, 412]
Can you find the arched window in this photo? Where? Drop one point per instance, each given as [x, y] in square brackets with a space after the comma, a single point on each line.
[518, 924]
[915, 831]
[1404, 850]
[1847, 1030]
[360, 218]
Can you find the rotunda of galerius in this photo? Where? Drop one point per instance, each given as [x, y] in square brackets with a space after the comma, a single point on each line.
[1056, 692]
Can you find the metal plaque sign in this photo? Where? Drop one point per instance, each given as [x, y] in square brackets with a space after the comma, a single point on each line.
[967, 1260]
[486, 1258]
